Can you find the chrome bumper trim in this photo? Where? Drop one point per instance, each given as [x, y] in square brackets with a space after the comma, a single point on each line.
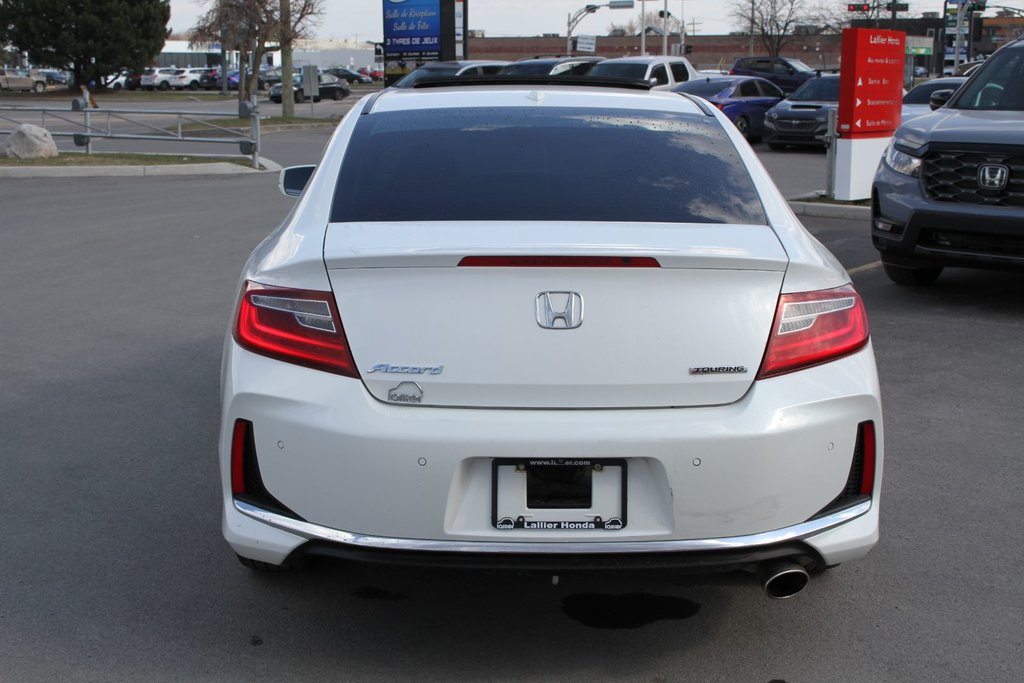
[321, 533]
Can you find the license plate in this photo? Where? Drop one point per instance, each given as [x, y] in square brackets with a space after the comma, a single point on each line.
[558, 494]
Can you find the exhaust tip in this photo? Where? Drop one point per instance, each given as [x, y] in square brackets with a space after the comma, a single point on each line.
[781, 580]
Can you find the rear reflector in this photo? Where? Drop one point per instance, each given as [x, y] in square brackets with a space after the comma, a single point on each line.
[294, 325]
[812, 328]
[559, 262]
[867, 443]
[241, 443]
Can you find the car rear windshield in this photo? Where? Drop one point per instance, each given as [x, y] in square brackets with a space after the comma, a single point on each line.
[540, 68]
[922, 93]
[705, 88]
[636, 71]
[552, 164]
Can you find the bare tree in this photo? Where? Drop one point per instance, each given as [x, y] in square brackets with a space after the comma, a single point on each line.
[773, 22]
[297, 18]
[244, 25]
[832, 17]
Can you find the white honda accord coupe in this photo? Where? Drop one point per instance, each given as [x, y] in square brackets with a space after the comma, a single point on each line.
[548, 324]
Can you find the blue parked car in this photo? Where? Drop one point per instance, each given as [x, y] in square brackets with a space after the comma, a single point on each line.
[743, 99]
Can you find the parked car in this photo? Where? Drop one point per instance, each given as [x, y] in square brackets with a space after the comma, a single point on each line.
[331, 88]
[348, 74]
[916, 102]
[551, 66]
[116, 81]
[785, 72]
[208, 80]
[666, 372]
[56, 78]
[190, 78]
[157, 78]
[949, 191]
[22, 79]
[450, 69]
[744, 99]
[375, 74]
[663, 72]
[802, 119]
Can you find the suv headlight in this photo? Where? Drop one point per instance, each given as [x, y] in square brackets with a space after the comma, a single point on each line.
[901, 162]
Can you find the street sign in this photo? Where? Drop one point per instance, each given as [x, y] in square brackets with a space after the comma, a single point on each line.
[586, 44]
[870, 93]
[897, 7]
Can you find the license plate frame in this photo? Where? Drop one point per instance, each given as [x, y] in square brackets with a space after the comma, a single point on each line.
[608, 497]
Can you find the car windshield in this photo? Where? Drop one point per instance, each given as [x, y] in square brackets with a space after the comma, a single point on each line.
[708, 87]
[999, 86]
[922, 93]
[817, 90]
[530, 164]
[421, 73]
[604, 69]
[798, 65]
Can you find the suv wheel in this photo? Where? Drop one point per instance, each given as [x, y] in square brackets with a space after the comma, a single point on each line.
[914, 277]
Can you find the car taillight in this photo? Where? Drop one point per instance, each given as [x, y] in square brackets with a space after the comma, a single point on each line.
[294, 325]
[732, 72]
[811, 328]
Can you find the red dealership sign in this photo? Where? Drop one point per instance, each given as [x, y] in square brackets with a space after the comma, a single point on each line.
[871, 83]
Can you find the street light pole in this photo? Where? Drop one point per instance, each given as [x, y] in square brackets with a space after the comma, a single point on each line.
[664, 30]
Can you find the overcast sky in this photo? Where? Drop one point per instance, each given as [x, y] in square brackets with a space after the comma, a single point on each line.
[362, 19]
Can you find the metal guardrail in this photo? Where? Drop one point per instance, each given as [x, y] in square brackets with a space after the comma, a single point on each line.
[86, 127]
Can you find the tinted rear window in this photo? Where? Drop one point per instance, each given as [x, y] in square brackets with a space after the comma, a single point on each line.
[706, 88]
[559, 164]
[620, 70]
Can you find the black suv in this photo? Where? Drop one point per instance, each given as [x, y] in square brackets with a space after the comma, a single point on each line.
[789, 74]
[950, 189]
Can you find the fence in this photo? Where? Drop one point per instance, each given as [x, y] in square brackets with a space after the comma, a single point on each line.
[83, 125]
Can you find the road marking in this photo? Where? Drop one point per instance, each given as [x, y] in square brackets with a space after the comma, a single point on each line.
[866, 266]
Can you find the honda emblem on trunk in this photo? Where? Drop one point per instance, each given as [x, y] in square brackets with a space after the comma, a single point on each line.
[559, 310]
[993, 176]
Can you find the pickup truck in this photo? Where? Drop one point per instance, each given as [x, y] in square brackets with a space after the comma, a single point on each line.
[22, 79]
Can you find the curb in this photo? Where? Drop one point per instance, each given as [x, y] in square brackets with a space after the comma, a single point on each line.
[823, 210]
[218, 168]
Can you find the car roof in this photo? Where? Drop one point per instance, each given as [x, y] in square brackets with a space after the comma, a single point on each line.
[559, 60]
[489, 94]
[643, 60]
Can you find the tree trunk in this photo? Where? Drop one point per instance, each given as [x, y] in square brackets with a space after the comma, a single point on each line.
[287, 95]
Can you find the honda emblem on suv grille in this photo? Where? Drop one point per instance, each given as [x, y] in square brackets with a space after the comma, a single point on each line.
[993, 176]
[559, 310]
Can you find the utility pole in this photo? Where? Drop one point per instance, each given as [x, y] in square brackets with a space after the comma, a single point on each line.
[664, 30]
[750, 50]
[643, 28]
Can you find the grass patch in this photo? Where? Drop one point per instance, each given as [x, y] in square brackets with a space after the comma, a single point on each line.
[116, 159]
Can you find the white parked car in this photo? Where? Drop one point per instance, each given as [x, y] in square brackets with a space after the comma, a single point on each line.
[591, 333]
[157, 79]
[662, 72]
[187, 78]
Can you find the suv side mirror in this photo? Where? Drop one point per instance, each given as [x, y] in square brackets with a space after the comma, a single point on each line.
[939, 98]
[293, 180]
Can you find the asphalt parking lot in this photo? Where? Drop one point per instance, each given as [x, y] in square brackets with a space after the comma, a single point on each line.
[117, 298]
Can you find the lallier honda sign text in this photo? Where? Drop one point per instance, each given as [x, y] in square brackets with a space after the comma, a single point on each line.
[870, 102]
[871, 85]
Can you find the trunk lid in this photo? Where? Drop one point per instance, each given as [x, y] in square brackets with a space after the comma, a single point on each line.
[426, 331]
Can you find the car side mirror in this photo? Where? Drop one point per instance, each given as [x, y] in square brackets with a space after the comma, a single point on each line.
[939, 98]
[293, 180]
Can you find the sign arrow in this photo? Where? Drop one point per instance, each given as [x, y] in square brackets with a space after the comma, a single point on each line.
[860, 82]
[858, 102]
[857, 123]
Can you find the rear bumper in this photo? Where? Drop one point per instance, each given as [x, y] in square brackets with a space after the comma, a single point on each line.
[704, 555]
[365, 478]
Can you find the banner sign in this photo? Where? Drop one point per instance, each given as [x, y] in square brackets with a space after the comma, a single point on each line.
[871, 82]
[412, 29]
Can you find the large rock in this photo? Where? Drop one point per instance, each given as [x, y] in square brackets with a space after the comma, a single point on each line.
[29, 142]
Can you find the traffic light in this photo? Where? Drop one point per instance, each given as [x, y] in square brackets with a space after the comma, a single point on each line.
[858, 7]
